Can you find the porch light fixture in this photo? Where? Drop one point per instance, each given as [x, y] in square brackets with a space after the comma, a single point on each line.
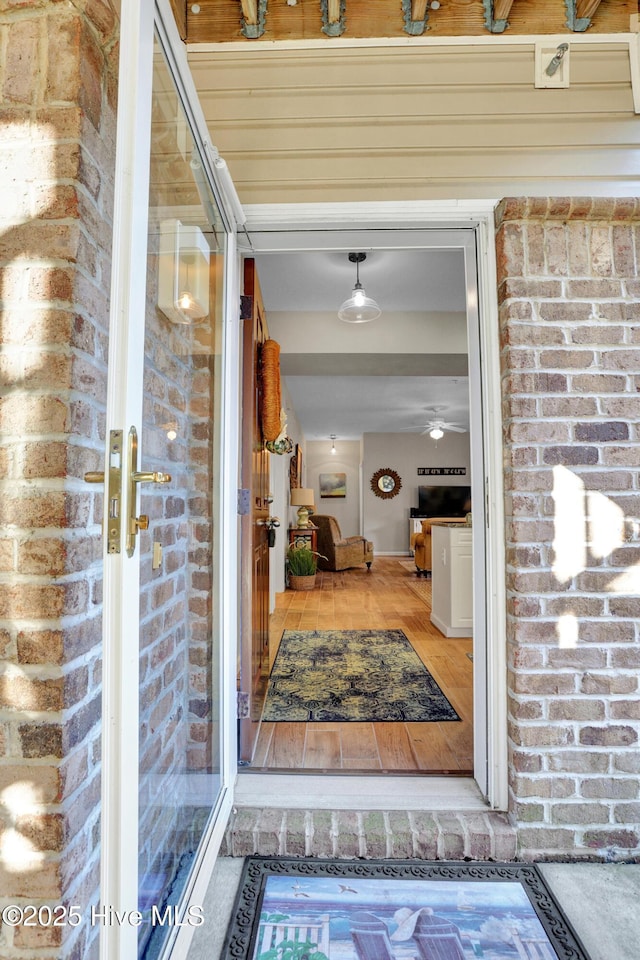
[436, 433]
[183, 272]
[302, 497]
[333, 444]
[359, 308]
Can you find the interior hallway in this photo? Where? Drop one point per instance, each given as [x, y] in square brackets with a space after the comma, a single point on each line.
[389, 597]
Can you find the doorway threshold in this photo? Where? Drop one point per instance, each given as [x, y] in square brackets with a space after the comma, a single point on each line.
[331, 792]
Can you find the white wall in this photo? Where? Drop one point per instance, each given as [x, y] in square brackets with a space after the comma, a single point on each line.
[386, 522]
[426, 332]
[346, 460]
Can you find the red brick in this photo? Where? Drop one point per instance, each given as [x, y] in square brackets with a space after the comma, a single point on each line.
[44, 458]
[21, 61]
[51, 283]
[625, 839]
[615, 735]
[22, 693]
[29, 601]
[44, 556]
[40, 646]
[566, 359]
[594, 289]
[22, 414]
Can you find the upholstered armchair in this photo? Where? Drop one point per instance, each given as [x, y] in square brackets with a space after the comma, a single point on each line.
[421, 544]
[341, 552]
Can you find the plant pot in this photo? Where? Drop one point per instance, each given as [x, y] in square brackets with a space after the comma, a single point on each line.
[302, 583]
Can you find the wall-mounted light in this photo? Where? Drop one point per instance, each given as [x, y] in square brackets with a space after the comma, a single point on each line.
[183, 272]
[333, 443]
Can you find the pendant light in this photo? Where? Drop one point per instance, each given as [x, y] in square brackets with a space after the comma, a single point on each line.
[359, 308]
[333, 443]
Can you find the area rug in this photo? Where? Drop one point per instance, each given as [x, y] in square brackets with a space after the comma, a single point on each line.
[408, 565]
[342, 675]
[395, 910]
[422, 589]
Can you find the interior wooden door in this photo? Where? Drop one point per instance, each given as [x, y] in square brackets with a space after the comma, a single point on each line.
[254, 644]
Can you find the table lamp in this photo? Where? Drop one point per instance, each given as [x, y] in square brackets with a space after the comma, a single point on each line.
[303, 498]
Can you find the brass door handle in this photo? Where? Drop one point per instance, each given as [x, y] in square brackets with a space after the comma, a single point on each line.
[135, 523]
[141, 476]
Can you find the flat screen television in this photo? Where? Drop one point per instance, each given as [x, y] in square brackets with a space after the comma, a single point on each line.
[444, 501]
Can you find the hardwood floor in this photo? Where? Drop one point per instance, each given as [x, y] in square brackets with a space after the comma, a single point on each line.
[385, 598]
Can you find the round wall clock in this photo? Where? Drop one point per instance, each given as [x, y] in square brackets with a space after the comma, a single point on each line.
[386, 483]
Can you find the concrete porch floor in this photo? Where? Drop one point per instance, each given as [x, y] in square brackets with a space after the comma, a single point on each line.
[601, 901]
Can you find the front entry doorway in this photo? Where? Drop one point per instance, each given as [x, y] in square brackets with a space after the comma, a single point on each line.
[435, 756]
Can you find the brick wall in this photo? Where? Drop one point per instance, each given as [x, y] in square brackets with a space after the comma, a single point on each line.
[57, 90]
[568, 292]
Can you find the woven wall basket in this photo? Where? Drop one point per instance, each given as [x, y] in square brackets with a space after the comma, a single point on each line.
[271, 396]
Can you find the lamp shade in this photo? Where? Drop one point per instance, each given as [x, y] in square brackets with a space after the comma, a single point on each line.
[302, 497]
[359, 308]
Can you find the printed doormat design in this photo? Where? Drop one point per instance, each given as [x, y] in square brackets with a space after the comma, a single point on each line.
[365, 675]
[396, 910]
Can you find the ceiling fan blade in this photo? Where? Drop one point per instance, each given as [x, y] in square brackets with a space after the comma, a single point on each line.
[455, 429]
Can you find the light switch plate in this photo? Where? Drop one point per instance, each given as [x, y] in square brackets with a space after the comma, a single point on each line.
[544, 54]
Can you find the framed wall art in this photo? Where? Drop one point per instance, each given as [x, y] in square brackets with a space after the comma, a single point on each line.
[333, 486]
[295, 469]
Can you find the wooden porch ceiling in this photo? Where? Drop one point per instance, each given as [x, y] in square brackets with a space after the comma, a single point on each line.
[217, 21]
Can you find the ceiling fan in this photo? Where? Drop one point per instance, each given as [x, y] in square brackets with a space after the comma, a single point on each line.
[440, 426]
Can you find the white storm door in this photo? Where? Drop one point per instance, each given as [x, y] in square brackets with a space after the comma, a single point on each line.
[168, 744]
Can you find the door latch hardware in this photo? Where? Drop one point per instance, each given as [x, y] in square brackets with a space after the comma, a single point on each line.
[136, 476]
[114, 489]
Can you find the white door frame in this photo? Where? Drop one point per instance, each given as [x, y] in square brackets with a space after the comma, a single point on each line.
[294, 227]
[120, 766]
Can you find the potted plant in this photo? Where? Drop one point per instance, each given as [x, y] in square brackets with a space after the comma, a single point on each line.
[303, 564]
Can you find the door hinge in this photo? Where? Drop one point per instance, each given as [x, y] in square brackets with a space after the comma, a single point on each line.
[242, 705]
[246, 307]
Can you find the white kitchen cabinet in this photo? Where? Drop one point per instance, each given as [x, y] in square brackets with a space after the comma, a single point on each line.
[452, 579]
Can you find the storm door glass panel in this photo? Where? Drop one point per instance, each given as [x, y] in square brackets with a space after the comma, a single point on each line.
[179, 735]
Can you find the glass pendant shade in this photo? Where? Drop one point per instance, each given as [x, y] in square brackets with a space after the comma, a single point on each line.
[189, 307]
[359, 308]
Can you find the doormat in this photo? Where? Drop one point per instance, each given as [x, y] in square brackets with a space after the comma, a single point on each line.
[343, 675]
[299, 909]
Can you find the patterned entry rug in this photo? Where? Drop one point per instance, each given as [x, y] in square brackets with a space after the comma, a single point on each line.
[365, 675]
